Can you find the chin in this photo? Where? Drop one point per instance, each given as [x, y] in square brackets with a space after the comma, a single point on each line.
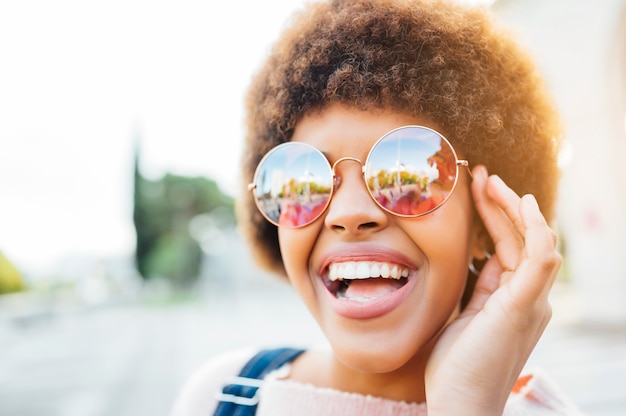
[371, 362]
[379, 353]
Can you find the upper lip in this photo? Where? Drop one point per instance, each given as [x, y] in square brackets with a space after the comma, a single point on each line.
[363, 252]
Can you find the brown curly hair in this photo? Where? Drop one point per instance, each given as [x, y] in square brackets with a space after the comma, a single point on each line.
[434, 59]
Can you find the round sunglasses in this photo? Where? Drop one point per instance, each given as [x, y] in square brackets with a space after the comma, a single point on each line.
[409, 172]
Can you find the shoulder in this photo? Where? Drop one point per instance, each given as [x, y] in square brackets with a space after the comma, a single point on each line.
[197, 397]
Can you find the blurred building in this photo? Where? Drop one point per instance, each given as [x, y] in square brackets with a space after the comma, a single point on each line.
[581, 48]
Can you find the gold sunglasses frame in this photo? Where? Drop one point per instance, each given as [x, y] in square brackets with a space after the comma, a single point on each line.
[335, 180]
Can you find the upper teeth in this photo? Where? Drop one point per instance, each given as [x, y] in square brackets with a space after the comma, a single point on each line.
[365, 270]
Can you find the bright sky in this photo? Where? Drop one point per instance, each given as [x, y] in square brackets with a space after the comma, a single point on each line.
[77, 79]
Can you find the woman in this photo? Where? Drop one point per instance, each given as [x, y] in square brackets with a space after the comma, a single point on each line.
[417, 125]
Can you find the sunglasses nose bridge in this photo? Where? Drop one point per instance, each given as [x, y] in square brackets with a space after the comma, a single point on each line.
[344, 159]
[336, 179]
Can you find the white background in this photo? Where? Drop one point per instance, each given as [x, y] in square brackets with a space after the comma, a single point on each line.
[79, 81]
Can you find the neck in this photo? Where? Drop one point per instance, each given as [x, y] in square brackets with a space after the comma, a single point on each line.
[406, 383]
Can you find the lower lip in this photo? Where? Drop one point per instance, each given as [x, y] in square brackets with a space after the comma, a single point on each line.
[372, 309]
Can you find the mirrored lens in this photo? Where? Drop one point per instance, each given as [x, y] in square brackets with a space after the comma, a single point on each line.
[411, 171]
[293, 184]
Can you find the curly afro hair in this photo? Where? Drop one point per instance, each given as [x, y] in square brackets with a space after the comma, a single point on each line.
[434, 59]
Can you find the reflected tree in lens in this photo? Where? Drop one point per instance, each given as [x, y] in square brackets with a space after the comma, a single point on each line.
[411, 171]
[293, 184]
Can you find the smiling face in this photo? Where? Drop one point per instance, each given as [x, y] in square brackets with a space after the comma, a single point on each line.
[411, 271]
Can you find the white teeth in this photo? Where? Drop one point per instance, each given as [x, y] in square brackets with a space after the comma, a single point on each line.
[375, 269]
[366, 269]
[384, 270]
[394, 272]
[349, 271]
[332, 273]
[362, 271]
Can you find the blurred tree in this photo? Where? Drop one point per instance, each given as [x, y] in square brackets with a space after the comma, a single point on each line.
[10, 277]
[163, 210]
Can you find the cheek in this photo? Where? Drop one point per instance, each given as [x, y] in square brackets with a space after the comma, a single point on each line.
[295, 248]
[446, 239]
[448, 235]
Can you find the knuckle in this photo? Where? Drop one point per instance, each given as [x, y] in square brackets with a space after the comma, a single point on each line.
[549, 260]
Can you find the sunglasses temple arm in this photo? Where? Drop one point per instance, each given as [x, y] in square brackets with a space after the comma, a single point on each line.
[466, 164]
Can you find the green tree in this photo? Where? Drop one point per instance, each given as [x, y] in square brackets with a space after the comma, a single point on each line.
[10, 277]
[162, 212]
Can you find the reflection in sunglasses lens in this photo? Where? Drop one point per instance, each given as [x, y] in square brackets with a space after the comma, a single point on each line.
[411, 171]
[293, 184]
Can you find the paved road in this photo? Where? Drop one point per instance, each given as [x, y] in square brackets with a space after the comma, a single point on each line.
[130, 359]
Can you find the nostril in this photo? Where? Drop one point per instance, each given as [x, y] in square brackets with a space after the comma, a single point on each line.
[361, 227]
[368, 225]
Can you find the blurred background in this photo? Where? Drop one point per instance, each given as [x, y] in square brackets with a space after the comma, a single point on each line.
[121, 269]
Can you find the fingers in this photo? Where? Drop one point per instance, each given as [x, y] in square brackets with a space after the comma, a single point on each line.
[507, 199]
[498, 207]
[523, 240]
[541, 257]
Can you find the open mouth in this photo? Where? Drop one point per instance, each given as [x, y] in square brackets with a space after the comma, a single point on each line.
[365, 281]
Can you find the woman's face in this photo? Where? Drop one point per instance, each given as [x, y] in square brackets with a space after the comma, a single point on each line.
[376, 324]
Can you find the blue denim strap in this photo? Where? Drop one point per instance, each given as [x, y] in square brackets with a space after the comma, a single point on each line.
[240, 396]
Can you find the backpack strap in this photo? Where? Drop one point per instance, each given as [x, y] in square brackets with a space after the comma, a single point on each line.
[240, 395]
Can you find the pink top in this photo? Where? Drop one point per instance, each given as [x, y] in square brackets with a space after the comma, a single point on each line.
[534, 394]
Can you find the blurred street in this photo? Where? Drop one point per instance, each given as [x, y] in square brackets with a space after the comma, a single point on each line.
[130, 358]
[90, 340]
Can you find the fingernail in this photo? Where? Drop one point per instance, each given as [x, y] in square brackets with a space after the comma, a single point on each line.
[481, 172]
[497, 179]
[531, 201]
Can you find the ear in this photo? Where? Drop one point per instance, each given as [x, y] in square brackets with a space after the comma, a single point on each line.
[482, 244]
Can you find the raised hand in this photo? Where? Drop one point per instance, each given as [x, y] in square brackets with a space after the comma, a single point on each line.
[479, 356]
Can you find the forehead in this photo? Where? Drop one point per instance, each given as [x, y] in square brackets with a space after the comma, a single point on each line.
[341, 130]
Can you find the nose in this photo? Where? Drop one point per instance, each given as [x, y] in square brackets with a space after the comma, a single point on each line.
[352, 210]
